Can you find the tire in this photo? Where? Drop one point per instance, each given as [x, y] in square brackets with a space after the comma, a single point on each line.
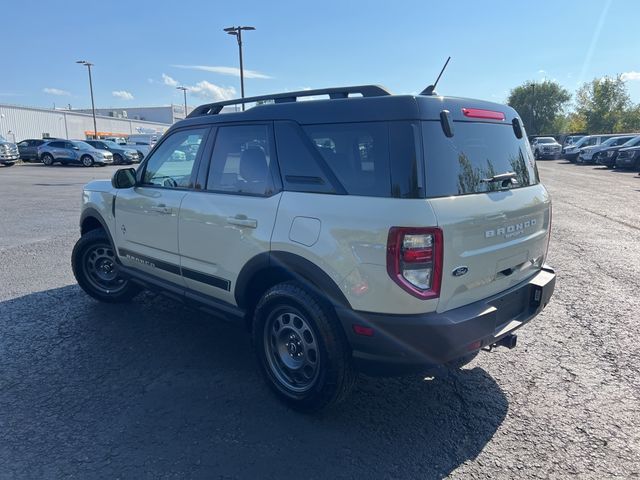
[47, 159]
[96, 269]
[87, 161]
[9, 164]
[301, 349]
[117, 159]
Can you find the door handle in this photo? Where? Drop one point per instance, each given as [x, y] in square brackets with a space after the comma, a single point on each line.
[162, 208]
[243, 221]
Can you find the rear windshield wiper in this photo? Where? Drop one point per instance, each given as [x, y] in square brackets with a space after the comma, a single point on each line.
[505, 179]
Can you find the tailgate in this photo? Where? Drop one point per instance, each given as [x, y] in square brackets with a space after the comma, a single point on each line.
[500, 237]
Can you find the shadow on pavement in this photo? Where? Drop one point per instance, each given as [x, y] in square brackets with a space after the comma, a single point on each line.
[154, 389]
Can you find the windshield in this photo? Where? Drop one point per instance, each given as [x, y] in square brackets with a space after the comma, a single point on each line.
[610, 141]
[111, 144]
[81, 145]
[462, 164]
[581, 142]
[632, 143]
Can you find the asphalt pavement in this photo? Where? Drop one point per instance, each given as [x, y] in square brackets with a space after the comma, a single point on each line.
[154, 389]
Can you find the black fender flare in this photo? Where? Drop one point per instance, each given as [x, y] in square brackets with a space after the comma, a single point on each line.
[91, 212]
[297, 267]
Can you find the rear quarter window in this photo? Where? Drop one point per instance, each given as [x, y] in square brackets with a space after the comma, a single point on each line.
[461, 164]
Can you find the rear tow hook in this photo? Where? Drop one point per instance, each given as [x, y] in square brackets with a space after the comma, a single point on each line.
[508, 341]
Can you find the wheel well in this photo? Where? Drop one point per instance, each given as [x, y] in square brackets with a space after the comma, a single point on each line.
[89, 224]
[264, 278]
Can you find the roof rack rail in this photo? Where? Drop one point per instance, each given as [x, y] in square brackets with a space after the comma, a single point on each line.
[338, 92]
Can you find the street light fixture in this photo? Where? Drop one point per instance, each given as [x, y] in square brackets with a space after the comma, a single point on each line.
[237, 31]
[93, 106]
[184, 90]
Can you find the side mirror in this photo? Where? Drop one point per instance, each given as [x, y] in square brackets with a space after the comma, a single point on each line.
[124, 178]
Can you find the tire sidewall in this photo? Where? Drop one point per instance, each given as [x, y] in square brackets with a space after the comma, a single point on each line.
[85, 242]
[334, 361]
[47, 160]
[84, 157]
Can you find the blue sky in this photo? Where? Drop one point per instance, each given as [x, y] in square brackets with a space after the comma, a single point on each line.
[138, 47]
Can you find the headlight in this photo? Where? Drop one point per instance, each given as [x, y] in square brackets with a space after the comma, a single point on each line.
[129, 154]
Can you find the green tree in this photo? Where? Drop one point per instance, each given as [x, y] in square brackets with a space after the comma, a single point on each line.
[540, 105]
[604, 104]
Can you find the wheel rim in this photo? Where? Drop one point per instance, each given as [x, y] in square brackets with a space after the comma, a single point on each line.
[292, 350]
[87, 161]
[101, 269]
[47, 160]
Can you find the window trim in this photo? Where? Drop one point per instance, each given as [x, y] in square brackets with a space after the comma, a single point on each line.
[274, 168]
[194, 172]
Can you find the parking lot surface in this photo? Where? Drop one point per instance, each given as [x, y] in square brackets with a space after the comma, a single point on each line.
[157, 390]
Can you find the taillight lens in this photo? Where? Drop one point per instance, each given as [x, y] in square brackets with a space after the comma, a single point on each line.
[414, 260]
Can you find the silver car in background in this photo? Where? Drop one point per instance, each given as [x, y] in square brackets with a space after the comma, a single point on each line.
[9, 153]
[73, 151]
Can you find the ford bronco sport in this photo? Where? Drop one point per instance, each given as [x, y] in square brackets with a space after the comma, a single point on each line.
[364, 232]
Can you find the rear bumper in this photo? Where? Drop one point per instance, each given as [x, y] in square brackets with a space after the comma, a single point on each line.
[405, 343]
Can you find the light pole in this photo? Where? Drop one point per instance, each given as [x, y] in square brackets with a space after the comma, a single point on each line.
[93, 106]
[184, 90]
[237, 31]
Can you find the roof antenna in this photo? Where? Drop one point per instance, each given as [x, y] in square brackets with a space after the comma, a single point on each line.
[430, 90]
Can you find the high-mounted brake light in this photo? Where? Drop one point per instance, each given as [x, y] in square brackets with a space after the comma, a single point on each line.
[480, 113]
[414, 260]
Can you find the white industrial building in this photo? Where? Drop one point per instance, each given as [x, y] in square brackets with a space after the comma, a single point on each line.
[163, 114]
[18, 123]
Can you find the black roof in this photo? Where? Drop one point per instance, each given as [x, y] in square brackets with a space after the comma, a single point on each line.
[372, 103]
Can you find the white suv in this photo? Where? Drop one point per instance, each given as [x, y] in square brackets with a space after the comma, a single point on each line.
[364, 232]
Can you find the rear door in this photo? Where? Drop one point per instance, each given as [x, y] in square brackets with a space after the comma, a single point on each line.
[147, 215]
[495, 233]
[230, 221]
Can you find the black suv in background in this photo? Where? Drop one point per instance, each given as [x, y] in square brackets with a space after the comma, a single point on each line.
[608, 156]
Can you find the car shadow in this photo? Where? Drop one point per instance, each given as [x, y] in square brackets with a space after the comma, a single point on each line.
[155, 389]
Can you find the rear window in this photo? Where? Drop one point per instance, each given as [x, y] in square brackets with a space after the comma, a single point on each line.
[477, 151]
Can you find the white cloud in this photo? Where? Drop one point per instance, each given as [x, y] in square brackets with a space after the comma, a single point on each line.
[630, 76]
[209, 90]
[542, 72]
[123, 94]
[233, 71]
[56, 91]
[167, 80]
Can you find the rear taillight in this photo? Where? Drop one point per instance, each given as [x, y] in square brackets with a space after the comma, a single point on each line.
[414, 260]
[549, 232]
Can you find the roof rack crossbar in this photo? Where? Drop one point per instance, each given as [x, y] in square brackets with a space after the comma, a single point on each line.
[287, 97]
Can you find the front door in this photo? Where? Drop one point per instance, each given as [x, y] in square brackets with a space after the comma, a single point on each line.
[146, 216]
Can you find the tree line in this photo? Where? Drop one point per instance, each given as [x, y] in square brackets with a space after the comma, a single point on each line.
[601, 106]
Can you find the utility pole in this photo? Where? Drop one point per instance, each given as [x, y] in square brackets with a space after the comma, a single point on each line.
[237, 31]
[93, 106]
[184, 90]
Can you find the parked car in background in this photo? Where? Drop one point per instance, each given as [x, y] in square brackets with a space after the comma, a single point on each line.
[143, 142]
[29, 148]
[545, 147]
[588, 154]
[628, 158]
[609, 156]
[571, 139]
[121, 153]
[571, 152]
[118, 140]
[73, 151]
[9, 153]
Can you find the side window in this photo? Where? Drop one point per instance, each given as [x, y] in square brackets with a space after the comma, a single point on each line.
[56, 144]
[241, 160]
[358, 155]
[172, 163]
[300, 170]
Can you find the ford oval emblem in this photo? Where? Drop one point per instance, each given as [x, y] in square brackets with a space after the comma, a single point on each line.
[460, 271]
